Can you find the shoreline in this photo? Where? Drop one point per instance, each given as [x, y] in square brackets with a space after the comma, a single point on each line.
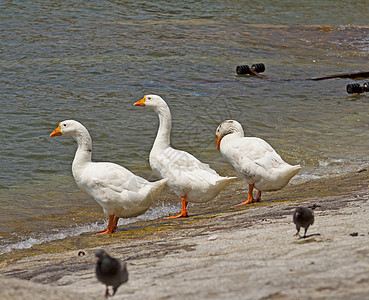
[221, 251]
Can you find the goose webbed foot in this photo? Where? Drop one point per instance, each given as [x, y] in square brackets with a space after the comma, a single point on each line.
[112, 226]
[184, 212]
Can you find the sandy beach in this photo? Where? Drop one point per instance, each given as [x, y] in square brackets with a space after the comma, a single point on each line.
[236, 253]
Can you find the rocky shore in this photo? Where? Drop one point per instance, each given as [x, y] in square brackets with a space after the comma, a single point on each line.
[225, 253]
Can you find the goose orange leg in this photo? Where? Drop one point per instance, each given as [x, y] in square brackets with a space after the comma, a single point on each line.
[258, 197]
[111, 226]
[250, 199]
[184, 212]
[115, 222]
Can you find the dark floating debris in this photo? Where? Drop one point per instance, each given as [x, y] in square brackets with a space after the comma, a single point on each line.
[344, 75]
[362, 170]
[260, 67]
[356, 88]
[354, 234]
[254, 70]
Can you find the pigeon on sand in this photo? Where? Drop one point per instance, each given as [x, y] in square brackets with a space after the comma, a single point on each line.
[110, 271]
[303, 217]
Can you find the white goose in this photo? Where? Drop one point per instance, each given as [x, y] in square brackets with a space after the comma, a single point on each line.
[189, 178]
[254, 159]
[120, 193]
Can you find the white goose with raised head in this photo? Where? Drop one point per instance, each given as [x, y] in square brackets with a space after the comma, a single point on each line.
[189, 178]
[120, 193]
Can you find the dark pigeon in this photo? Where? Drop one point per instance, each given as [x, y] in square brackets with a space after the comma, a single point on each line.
[303, 217]
[110, 271]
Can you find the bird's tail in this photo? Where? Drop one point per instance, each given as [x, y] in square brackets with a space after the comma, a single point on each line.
[217, 187]
[293, 170]
[157, 187]
[151, 191]
[287, 173]
[224, 181]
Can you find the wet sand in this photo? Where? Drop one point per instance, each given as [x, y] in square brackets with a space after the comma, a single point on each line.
[236, 253]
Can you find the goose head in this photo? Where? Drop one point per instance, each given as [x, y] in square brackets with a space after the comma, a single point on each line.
[69, 128]
[153, 102]
[227, 127]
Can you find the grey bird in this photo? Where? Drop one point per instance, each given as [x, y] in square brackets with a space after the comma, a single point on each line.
[110, 271]
[303, 217]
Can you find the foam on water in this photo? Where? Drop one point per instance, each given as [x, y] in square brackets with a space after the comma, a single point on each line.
[26, 243]
[30, 242]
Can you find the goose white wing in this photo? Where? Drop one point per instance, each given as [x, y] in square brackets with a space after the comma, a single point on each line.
[254, 151]
[178, 161]
[187, 175]
[111, 176]
[116, 189]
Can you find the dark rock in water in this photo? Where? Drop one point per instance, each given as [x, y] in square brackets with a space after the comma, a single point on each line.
[303, 217]
[110, 271]
[354, 234]
[81, 253]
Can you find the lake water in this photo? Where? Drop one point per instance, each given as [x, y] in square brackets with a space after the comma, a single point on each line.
[91, 60]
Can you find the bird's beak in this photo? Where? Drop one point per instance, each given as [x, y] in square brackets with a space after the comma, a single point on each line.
[218, 141]
[140, 102]
[56, 132]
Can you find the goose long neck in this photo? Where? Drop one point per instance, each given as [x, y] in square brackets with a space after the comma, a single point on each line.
[236, 132]
[84, 149]
[165, 125]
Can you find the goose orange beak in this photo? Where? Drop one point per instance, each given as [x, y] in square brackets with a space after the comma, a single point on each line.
[218, 141]
[56, 132]
[140, 102]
